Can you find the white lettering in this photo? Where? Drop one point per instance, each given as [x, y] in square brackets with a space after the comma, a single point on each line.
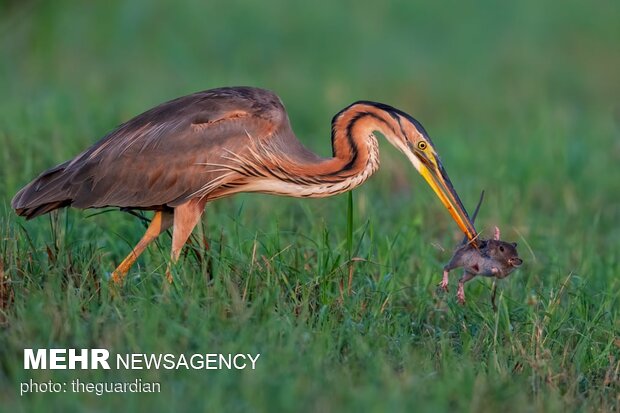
[136, 361]
[210, 358]
[224, 361]
[99, 356]
[169, 361]
[122, 361]
[57, 358]
[239, 366]
[199, 365]
[82, 358]
[38, 362]
[182, 361]
[253, 360]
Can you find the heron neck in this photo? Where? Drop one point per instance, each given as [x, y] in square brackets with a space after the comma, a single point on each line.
[353, 136]
[355, 155]
[355, 158]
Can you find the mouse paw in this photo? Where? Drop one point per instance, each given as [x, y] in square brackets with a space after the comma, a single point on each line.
[444, 285]
[444, 281]
[460, 295]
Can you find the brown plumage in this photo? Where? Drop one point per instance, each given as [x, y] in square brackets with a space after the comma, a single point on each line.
[178, 156]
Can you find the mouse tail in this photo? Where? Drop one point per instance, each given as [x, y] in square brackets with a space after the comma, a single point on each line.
[473, 217]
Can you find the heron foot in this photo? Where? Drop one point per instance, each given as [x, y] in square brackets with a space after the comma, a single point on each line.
[119, 274]
[169, 275]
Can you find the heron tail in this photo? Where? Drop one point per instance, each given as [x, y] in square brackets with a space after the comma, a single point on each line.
[49, 191]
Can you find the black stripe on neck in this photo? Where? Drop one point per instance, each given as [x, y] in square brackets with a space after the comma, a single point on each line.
[350, 139]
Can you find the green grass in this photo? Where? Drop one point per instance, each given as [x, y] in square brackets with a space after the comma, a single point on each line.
[520, 99]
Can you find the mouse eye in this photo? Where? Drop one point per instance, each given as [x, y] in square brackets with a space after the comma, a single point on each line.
[501, 248]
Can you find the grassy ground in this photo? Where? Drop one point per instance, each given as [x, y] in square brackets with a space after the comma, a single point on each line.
[521, 100]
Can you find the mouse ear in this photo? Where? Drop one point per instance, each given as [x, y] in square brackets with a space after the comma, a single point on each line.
[496, 234]
[514, 244]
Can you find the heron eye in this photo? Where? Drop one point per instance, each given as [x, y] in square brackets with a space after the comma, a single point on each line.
[422, 145]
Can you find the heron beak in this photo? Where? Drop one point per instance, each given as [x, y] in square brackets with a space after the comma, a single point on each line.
[432, 170]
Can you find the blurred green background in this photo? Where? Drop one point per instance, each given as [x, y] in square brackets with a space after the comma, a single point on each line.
[520, 98]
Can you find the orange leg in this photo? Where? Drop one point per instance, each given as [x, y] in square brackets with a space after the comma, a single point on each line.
[186, 217]
[162, 220]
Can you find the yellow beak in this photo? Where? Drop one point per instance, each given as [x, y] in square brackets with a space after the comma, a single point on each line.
[432, 170]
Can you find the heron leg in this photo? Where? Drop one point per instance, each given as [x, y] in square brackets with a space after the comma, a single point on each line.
[186, 216]
[162, 220]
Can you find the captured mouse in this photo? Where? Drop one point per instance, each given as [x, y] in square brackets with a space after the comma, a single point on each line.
[490, 258]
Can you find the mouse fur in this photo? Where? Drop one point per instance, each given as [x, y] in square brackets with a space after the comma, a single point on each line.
[489, 258]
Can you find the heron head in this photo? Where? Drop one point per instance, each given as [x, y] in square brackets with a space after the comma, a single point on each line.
[411, 138]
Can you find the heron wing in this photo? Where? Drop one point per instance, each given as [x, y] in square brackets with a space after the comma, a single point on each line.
[163, 157]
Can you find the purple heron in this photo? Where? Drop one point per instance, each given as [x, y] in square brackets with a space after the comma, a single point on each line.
[176, 157]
